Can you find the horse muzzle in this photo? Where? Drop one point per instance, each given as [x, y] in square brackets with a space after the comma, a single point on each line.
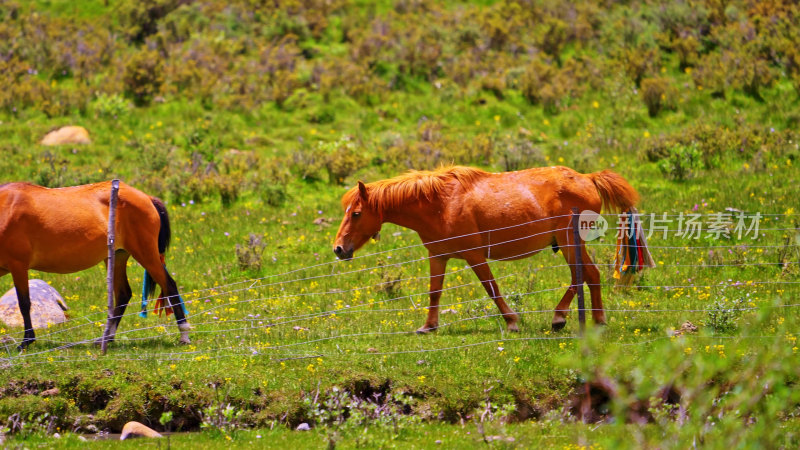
[343, 254]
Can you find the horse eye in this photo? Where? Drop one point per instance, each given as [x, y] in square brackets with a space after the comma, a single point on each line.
[356, 214]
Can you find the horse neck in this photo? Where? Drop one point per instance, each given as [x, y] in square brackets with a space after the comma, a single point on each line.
[424, 217]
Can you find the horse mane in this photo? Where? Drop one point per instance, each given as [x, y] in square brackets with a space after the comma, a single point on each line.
[413, 185]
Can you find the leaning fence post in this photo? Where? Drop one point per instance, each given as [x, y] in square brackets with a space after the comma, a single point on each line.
[112, 218]
[578, 267]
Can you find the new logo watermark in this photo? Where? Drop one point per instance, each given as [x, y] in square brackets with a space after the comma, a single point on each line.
[591, 225]
[728, 225]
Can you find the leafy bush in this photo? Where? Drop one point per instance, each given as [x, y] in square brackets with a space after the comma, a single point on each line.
[536, 80]
[681, 162]
[339, 159]
[249, 255]
[654, 94]
[143, 76]
[723, 314]
[639, 61]
[343, 158]
[139, 18]
[111, 106]
[520, 154]
[687, 49]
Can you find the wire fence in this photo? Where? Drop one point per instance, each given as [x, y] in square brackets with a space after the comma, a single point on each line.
[206, 302]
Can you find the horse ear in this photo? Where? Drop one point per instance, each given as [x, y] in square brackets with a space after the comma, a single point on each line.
[362, 189]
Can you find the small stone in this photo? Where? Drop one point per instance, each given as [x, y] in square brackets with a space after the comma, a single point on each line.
[50, 392]
[372, 350]
[136, 429]
[438, 441]
[303, 427]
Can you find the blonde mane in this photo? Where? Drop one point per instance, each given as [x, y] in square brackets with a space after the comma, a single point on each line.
[414, 185]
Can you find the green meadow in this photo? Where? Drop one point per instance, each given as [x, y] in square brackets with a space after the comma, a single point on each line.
[251, 119]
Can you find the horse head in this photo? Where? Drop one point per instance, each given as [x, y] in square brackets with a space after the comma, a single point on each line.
[361, 222]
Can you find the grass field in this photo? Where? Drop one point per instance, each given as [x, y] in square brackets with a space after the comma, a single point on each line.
[298, 337]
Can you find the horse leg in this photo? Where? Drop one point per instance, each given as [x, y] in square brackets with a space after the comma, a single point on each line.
[438, 266]
[169, 289]
[481, 268]
[122, 294]
[560, 314]
[20, 275]
[592, 277]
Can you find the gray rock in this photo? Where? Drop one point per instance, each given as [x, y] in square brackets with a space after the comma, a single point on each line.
[303, 427]
[47, 306]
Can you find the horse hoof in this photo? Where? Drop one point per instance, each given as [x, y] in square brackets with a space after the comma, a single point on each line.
[426, 329]
[25, 343]
[185, 341]
[558, 326]
[513, 327]
[99, 342]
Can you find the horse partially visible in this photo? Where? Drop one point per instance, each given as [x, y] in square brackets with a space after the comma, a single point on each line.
[467, 213]
[65, 230]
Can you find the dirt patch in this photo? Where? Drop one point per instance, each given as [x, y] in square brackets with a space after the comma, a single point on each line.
[18, 388]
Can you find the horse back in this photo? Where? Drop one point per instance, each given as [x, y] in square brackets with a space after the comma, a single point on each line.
[517, 213]
[65, 229]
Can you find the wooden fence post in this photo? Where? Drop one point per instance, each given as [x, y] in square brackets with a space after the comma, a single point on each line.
[112, 218]
[578, 267]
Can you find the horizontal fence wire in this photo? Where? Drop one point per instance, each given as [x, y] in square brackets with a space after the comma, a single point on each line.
[255, 323]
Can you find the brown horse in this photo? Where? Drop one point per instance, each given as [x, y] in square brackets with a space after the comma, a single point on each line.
[65, 230]
[469, 214]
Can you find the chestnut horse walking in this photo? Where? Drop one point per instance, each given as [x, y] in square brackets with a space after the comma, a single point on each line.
[470, 214]
[65, 230]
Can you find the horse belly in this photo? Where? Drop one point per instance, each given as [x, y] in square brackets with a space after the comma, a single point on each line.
[68, 255]
[510, 247]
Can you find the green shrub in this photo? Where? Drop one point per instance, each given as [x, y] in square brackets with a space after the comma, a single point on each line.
[687, 49]
[752, 73]
[654, 94]
[139, 18]
[681, 162]
[710, 74]
[537, 76]
[553, 37]
[110, 106]
[249, 255]
[143, 76]
[639, 62]
[520, 154]
[723, 315]
[342, 159]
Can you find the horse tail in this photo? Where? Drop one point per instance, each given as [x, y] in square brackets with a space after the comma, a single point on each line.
[617, 194]
[164, 232]
[164, 237]
[632, 254]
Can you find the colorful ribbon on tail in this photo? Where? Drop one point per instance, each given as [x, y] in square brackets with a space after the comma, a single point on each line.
[632, 253]
[147, 286]
[161, 304]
